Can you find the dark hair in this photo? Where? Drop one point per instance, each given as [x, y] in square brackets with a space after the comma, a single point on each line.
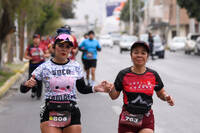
[140, 43]
[91, 32]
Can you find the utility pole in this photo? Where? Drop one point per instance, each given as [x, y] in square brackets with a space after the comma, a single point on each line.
[87, 22]
[17, 39]
[192, 25]
[131, 17]
[177, 20]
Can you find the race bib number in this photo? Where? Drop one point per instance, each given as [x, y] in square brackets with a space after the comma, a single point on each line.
[131, 119]
[89, 55]
[59, 119]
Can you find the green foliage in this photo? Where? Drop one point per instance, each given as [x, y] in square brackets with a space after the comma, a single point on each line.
[4, 75]
[51, 15]
[137, 6]
[192, 7]
[124, 16]
[65, 8]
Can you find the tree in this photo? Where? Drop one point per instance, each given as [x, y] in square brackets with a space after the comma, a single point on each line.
[39, 16]
[192, 7]
[65, 8]
[137, 13]
[51, 16]
[6, 21]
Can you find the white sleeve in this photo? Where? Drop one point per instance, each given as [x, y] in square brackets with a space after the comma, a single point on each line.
[79, 72]
[38, 72]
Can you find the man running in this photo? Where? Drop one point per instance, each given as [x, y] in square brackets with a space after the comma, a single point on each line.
[90, 47]
[36, 55]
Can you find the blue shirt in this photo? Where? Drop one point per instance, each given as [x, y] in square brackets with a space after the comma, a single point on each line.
[91, 47]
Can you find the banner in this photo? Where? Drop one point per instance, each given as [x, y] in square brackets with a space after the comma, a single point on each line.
[110, 7]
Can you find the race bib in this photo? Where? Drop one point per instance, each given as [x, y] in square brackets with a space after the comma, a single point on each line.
[59, 118]
[89, 55]
[131, 119]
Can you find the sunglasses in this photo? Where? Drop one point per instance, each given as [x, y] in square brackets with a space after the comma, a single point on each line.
[61, 45]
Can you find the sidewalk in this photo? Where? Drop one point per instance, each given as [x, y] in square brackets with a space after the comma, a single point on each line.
[11, 81]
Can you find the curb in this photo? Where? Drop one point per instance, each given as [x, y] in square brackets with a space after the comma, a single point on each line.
[6, 86]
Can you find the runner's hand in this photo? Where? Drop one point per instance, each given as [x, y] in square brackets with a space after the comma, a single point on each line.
[103, 87]
[107, 86]
[170, 100]
[31, 82]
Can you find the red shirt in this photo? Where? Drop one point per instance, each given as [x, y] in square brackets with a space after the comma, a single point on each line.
[37, 53]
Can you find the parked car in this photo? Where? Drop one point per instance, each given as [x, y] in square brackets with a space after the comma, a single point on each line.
[191, 42]
[106, 40]
[197, 47]
[126, 42]
[177, 43]
[158, 49]
[115, 38]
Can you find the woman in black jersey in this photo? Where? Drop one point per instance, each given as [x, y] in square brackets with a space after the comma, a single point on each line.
[138, 83]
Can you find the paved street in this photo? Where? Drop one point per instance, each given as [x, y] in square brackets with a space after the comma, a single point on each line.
[180, 74]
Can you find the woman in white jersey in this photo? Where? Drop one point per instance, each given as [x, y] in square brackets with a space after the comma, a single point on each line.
[61, 77]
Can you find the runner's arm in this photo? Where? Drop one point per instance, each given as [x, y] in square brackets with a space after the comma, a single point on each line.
[82, 49]
[98, 49]
[82, 87]
[98, 46]
[26, 55]
[24, 88]
[162, 94]
[114, 94]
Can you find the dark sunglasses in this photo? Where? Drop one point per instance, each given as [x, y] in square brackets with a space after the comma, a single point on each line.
[63, 45]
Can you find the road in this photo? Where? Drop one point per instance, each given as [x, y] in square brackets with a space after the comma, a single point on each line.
[180, 74]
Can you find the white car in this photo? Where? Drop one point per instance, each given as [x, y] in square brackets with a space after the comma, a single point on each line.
[106, 40]
[116, 38]
[126, 42]
[191, 42]
[177, 43]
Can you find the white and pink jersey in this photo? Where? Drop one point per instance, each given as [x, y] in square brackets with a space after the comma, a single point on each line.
[59, 79]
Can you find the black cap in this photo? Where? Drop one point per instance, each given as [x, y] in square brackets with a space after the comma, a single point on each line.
[140, 43]
[36, 36]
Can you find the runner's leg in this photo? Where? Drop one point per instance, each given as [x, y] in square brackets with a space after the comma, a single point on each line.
[93, 69]
[72, 129]
[47, 129]
[88, 75]
[146, 130]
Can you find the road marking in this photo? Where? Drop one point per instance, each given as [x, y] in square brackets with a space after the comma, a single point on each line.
[117, 109]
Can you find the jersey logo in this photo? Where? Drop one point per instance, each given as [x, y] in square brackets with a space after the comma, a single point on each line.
[62, 84]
